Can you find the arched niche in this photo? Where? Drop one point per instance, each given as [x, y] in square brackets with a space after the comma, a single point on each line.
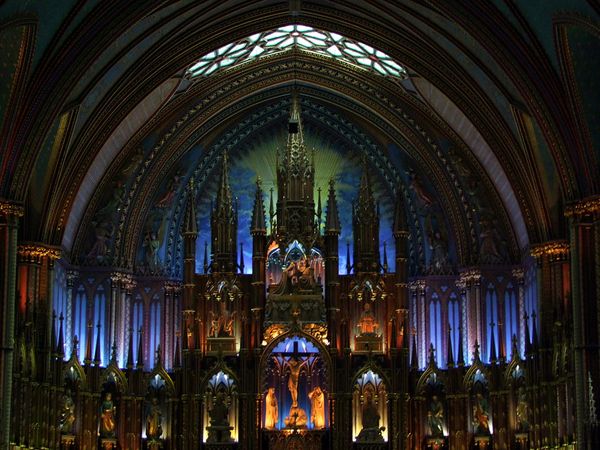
[220, 408]
[369, 408]
[432, 389]
[157, 412]
[295, 384]
[476, 381]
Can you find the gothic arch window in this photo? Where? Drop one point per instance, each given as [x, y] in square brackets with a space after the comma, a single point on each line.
[491, 320]
[454, 322]
[100, 320]
[435, 326]
[304, 38]
[511, 317]
[137, 321]
[530, 300]
[80, 319]
[154, 328]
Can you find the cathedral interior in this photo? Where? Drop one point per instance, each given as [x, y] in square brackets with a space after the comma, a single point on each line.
[300, 225]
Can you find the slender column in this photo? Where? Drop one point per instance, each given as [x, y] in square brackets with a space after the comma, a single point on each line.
[71, 276]
[11, 213]
[584, 220]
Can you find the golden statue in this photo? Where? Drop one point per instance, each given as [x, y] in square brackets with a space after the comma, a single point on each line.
[153, 420]
[317, 408]
[107, 417]
[367, 325]
[295, 366]
[272, 411]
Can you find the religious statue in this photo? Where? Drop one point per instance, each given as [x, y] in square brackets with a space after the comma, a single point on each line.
[435, 417]
[103, 233]
[371, 431]
[439, 251]
[154, 420]
[367, 325]
[295, 366]
[67, 415]
[522, 411]
[306, 278]
[219, 429]
[272, 411]
[417, 186]
[151, 245]
[481, 415]
[489, 243]
[107, 417]
[317, 408]
[222, 325]
[219, 413]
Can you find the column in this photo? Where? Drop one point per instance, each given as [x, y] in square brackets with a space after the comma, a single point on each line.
[584, 237]
[8, 274]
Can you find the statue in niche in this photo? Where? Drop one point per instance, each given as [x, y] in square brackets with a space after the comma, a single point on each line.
[317, 408]
[489, 243]
[151, 245]
[297, 276]
[417, 186]
[103, 232]
[371, 431]
[108, 417]
[219, 429]
[481, 415]
[167, 199]
[114, 203]
[435, 417]
[219, 413]
[367, 325]
[522, 411]
[154, 420]
[67, 415]
[272, 410]
[222, 325]
[439, 251]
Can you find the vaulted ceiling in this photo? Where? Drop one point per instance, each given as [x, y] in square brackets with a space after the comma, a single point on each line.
[494, 129]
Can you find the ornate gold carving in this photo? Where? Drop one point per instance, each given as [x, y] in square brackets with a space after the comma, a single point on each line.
[9, 208]
[33, 251]
[553, 249]
[587, 206]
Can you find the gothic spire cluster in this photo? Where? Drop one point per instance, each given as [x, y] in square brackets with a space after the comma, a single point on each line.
[224, 220]
[365, 223]
[295, 217]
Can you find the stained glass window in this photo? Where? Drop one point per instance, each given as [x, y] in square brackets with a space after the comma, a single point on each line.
[302, 37]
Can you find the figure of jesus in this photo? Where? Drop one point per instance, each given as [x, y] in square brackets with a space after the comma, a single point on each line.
[295, 366]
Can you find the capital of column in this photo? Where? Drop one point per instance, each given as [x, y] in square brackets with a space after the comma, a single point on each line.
[417, 285]
[470, 277]
[35, 252]
[10, 208]
[519, 275]
[554, 250]
[586, 207]
[172, 287]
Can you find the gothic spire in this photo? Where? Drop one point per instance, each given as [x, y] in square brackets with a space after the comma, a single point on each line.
[461, 355]
[258, 211]
[224, 225]
[190, 226]
[60, 347]
[140, 352]
[414, 362]
[493, 355]
[450, 354]
[97, 359]
[332, 219]
[365, 221]
[130, 350]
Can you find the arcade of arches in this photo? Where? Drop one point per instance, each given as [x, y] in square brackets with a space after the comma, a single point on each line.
[299, 224]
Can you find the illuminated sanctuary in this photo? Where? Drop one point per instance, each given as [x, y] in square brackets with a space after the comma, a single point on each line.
[299, 225]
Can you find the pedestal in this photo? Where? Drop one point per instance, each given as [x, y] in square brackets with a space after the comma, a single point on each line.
[67, 441]
[522, 440]
[108, 444]
[226, 345]
[435, 443]
[219, 434]
[482, 442]
[154, 444]
[368, 343]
